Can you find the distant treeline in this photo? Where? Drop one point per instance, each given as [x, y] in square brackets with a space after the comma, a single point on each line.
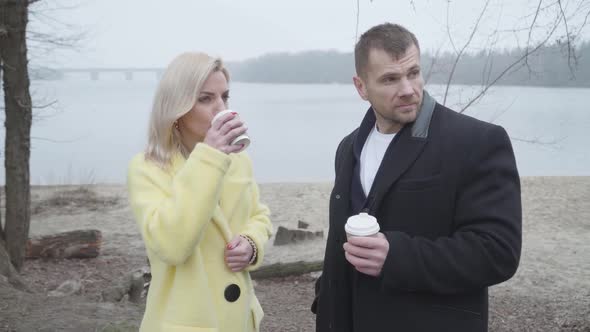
[547, 67]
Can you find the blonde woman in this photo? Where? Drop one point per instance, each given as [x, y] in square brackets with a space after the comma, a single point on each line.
[197, 206]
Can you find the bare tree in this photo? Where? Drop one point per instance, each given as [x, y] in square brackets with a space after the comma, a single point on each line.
[18, 111]
[18, 108]
[541, 27]
[548, 30]
[2, 236]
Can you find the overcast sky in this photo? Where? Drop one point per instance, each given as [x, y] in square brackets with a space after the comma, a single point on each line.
[148, 33]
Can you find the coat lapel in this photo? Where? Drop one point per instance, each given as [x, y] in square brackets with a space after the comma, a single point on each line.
[406, 151]
[402, 153]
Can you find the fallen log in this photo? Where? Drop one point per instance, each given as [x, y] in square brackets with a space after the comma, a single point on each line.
[278, 270]
[132, 284]
[75, 244]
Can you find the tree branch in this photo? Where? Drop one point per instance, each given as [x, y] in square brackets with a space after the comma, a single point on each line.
[568, 37]
[432, 65]
[54, 140]
[531, 30]
[449, 28]
[510, 67]
[537, 141]
[46, 105]
[473, 31]
[358, 11]
[586, 19]
[489, 64]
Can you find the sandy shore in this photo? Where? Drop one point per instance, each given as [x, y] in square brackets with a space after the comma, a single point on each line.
[556, 212]
[553, 281]
[289, 203]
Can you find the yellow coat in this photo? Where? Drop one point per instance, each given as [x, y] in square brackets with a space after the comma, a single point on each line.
[186, 215]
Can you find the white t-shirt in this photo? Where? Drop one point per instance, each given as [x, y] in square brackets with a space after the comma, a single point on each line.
[372, 155]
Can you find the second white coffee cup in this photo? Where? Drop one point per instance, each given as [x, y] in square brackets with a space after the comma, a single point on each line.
[242, 139]
[362, 224]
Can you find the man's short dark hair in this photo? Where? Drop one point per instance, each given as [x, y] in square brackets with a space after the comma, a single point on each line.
[391, 38]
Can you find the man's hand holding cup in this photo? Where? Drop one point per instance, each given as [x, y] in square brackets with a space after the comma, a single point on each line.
[366, 248]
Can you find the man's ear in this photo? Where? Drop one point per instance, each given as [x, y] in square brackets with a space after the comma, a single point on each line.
[360, 86]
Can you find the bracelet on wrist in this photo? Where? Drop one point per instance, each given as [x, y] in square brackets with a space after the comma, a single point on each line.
[254, 249]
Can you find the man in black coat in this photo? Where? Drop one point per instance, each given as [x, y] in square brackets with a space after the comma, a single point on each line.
[446, 193]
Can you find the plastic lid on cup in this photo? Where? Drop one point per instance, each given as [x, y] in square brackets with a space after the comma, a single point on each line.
[362, 224]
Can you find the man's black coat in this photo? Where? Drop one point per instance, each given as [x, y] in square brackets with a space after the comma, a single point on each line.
[447, 197]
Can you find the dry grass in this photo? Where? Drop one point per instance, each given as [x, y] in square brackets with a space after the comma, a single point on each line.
[70, 200]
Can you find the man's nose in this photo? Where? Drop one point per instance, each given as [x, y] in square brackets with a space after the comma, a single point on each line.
[406, 87]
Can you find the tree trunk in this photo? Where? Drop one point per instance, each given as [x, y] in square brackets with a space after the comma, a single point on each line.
[2, 237]
[74, 244]
[8, 271]
[18, 108]
[286, 269]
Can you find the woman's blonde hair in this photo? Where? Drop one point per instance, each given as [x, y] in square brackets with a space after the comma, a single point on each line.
[176, 95]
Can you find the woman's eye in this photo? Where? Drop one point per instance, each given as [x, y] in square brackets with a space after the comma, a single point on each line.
[204, 99]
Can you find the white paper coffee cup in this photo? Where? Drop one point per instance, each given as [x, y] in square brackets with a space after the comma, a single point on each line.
[242, 139]
[362, 224]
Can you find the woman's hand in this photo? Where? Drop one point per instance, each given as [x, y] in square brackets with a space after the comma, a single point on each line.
[238, 253]
[224, 131]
